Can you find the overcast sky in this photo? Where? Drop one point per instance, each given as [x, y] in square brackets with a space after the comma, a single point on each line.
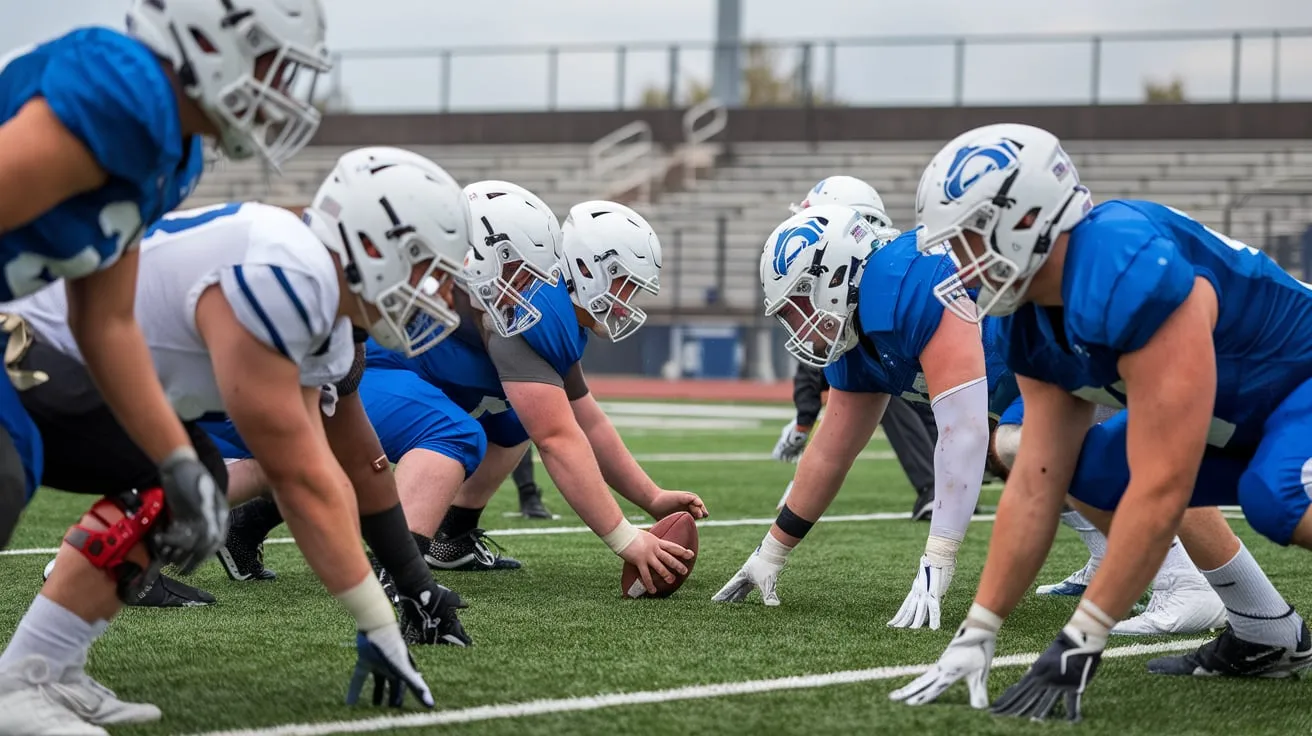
[889, 75]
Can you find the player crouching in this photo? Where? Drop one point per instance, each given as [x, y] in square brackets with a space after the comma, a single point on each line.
[248, 313]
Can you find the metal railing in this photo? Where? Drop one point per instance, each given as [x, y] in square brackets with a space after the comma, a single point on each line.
[1066, 68]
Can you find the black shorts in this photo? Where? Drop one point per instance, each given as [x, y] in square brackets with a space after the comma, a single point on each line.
[86, 451]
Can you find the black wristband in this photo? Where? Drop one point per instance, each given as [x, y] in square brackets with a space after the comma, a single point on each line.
[792, 524]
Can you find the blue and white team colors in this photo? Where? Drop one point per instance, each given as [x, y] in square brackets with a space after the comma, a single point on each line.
[896, 317]
[1129, 265]
[110, 92]
[273, 271]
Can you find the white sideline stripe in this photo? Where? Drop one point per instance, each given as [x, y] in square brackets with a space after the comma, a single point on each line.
[692, 692]
[731, 457]
[530, 531]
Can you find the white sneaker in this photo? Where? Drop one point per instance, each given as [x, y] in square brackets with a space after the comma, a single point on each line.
[1074, 584]
[29, 706]
[790, 445]
[784, 498]
[1181, 604]
[97, 704]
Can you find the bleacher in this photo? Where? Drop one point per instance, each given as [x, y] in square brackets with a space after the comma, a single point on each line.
[1265, 185]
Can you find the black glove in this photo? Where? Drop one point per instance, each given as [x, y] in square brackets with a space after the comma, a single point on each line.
[1064, 670]
[430, 618]
[197, 513]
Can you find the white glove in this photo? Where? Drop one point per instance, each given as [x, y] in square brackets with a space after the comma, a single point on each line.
[761, 570]
[790, 445]
[923, 602]
[969, 656]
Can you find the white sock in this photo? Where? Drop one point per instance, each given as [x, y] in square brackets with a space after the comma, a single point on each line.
[1092, 538]
[51, 631]
[1257, 611]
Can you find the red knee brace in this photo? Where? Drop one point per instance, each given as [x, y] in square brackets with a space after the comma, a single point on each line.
[108, 548]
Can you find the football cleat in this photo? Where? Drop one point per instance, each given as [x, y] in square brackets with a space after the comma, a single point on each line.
[469, 551]
[242, 553]
[923, 508]
[95, 703]
[430, 617]
[166, 592]
[29, 705]
[1074, 585]
[1229, 656]
[530, 503]
[1183, 604]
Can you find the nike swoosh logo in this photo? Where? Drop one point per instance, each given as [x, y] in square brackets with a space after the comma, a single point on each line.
[1224, 585]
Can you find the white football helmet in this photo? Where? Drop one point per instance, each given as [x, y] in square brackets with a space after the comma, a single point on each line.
[810, 269]
[849, 191]
[251, 65]
[611, 255]
[1014, 187]
[515, 250]
[400, 228]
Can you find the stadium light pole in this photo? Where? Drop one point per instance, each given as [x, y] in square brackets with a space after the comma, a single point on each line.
[726, 79]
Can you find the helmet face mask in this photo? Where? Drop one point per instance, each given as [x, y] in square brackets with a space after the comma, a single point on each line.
[999, 196]
[399, 226]
[515, 252]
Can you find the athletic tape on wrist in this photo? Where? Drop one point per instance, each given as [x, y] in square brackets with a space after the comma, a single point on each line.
[619, 538]
[983, 618]
[791, 524]
[368, 604]
[182, 452]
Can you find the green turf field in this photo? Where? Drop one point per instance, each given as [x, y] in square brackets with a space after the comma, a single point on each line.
[274, 657]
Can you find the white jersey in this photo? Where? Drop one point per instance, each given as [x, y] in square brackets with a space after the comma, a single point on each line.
[278, 278]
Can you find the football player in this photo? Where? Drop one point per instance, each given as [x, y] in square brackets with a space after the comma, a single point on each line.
[100, 134]
[910, 432]
[435, 444]
[247, 312]
[1126, 303]
[531, 385]
[860, 308]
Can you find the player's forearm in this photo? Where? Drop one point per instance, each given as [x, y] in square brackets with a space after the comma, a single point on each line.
[1022, 535]
[119, 361]
[1141, 534]
[959, 457]
[573, 467]
[618, 467]
[318, 507]
[820, 475]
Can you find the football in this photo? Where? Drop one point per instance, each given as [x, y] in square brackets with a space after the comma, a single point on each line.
[678, 528]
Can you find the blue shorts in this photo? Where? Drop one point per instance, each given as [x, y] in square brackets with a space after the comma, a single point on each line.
[1267, 482]
[407, 413]
[22, 430]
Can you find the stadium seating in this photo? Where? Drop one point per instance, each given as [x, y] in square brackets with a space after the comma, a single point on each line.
[1265, 185]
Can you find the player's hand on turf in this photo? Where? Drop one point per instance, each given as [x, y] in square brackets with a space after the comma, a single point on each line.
[197, 513]
[1061, 673]
[968, 657]
[430, 617]
[383, 655]
[755, 573]
[790, 445]
[655, 557]
[923, 604]
[672, 502]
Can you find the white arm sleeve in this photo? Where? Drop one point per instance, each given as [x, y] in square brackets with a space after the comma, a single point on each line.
[962, 416]
[283, 308]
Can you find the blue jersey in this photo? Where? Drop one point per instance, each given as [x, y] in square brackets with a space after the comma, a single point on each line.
[112, 93]
[896, 316]
[467, 374]
[1129, 264]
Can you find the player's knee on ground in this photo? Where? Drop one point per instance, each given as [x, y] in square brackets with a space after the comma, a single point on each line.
[1006, 443]
[1103, 470]
[1273, 509]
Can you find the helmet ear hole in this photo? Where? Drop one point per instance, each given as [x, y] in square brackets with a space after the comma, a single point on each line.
[583, 268]
[1027, 221]
[203, 41]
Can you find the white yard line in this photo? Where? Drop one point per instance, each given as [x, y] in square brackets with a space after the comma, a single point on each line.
[692, 692]
[730, 457]
[532, 531]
